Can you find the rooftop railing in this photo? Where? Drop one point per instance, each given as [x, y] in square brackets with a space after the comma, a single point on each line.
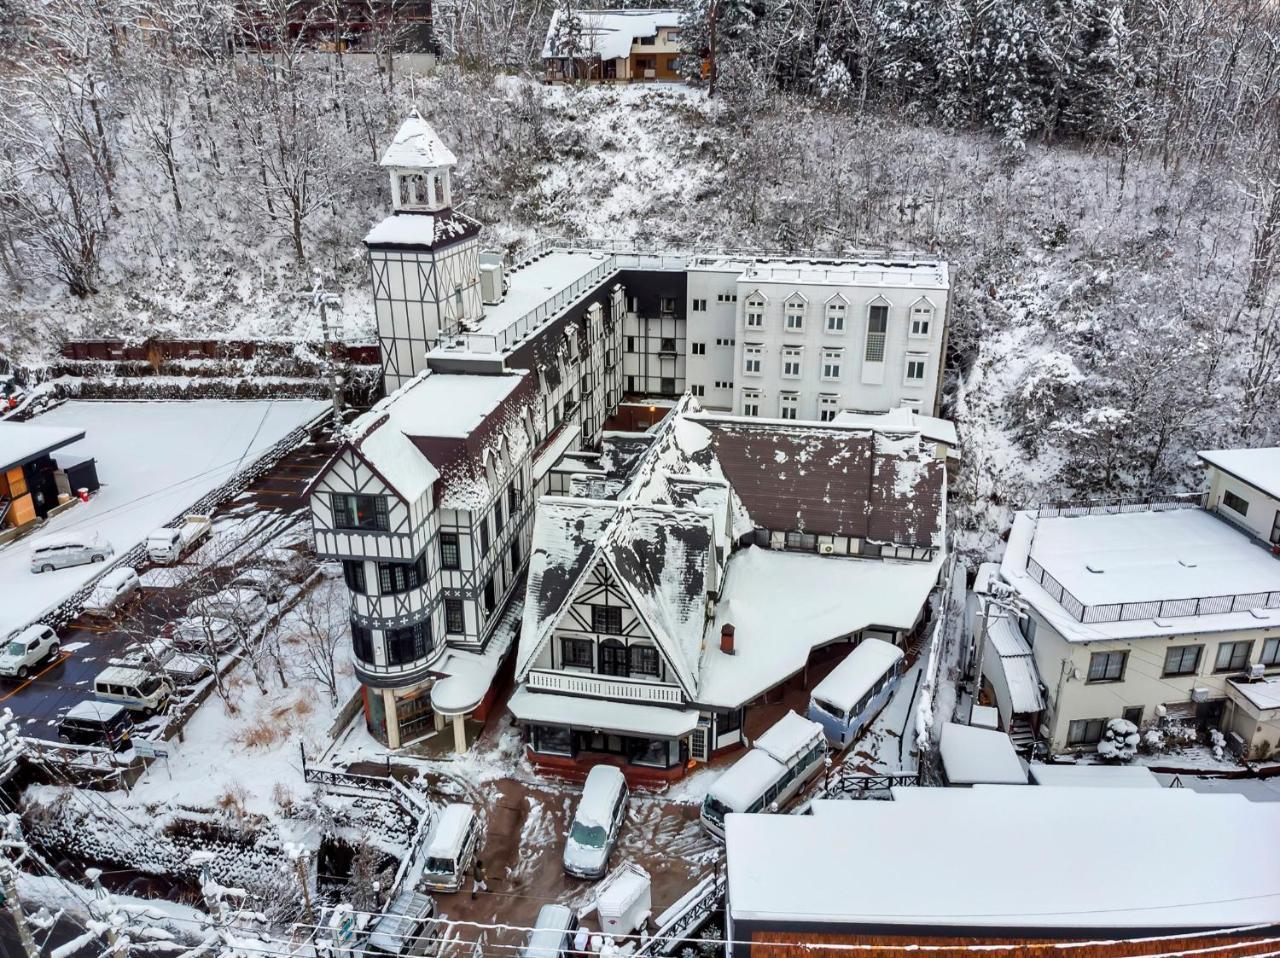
[1149, 609]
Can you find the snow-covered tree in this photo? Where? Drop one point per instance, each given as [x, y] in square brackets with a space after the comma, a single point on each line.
[1119, 741]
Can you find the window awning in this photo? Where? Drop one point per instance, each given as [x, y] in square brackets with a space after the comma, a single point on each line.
[600, 715]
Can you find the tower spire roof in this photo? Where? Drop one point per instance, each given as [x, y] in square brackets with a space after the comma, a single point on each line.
[417, 146]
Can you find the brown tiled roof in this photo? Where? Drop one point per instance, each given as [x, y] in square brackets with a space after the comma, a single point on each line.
[832, 481]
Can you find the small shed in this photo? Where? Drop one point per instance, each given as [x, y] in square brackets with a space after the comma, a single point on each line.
[1095, 776]
[979, 756]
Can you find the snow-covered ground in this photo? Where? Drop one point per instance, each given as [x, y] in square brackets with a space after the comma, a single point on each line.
[154, 459]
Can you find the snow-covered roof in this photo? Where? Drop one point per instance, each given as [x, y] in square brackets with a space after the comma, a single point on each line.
[1038, 871]
[607, 34]
[623, 886]
[599, 794]
[853, 678]
[393, 930]
[449, 831]
[984, 716]
[973, 756]
[1136, 557]
[547, 939]
[625, 718]
[468, 675]
[790, 736]
[396, 437]
[1094, 776]
[417, 146]
[746, 780]
[1260, 468]
[902, 419]
[891, 272]
[20, 442]
[1013, 656]
[1262, 695]
[533, 285]
[422, 230]
[89, 710]
[763, 589]
[660, 555]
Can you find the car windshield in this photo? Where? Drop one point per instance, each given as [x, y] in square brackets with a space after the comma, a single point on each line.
[17, 649]
[592, 836]
[714, 809]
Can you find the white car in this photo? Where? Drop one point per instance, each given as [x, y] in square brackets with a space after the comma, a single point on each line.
[271, 585]
[197, 633]
[244, 607]
[64, 551]
[27, 648]
[113, 590]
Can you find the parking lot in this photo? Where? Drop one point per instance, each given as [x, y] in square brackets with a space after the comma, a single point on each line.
[264, 525]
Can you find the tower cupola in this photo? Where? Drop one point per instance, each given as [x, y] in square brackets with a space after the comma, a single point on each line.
[421, 168]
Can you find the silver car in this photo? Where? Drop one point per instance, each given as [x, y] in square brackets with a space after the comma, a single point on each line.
[61, 552]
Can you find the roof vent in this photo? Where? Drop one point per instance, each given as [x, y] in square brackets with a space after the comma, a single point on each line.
[1186, 562]
[726, 639]
[1097, 570]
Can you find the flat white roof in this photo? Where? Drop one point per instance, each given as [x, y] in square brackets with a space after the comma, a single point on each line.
[1257, 467]
[979, 756]
[1095, 776]
[764, 588]
[1140, 557]
[1263, 695]
[853, 677]
[1215, 871]
[925, 274]
[23, 441]
[536, 283]
[625, 717]
[790, 736]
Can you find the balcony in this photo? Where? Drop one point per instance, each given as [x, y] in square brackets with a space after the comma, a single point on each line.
[592, 686]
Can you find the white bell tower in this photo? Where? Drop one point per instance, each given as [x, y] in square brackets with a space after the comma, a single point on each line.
[424, 258]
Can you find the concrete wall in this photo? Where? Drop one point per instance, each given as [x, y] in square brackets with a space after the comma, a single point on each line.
[1260, 517]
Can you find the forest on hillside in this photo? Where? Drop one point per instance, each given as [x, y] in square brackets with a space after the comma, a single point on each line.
[1103, 176]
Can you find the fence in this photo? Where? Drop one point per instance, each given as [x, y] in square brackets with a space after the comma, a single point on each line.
[1162, 502]
[154, 350]
[1151, 609]
[384, 788]
[685, 917]
[849, 784]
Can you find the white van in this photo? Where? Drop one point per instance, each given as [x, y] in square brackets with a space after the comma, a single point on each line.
[553, 933]
[113, 590]
[136, 689]
[593, 833]
[63, 551]
[26, 649]
[451, 849]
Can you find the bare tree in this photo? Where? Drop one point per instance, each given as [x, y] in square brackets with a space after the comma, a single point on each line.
[321, 627]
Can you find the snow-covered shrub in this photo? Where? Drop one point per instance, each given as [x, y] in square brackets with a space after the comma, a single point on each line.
[1049, 386]
[1217, 743]
[1120, 740]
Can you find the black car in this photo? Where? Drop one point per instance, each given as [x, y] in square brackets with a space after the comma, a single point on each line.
[97, 723]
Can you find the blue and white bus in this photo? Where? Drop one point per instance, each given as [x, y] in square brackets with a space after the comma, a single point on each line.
[845, 702]
[782, 760]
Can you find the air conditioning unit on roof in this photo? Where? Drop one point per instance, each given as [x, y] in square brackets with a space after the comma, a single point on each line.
[1200, 694]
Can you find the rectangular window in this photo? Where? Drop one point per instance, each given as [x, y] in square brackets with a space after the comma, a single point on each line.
[1232, 656]
[699, 305]
[1107, 666]
[362, 643]
[606, 619]
[644, 660]
[698, 349]
[667, 345]
[631, 344]
[408, 644]
[577, 653]
[698, 390]
[353, 573]
[835, 317]
[513, 499]
[791, 363]
[667, 386]
[754, 314]
[789, 405]
[490, 595]
[828, 407]
[795, 317]
[751, 404]
[515, 556]
[1270, 652]
[455, 617]
[1086, 731]
[484, 535]
[497, 517]
[831, 364]
[877, 328]
[666, 305]
[915, 367]
[396, 577]
[1182, 660]
[363, 513]
[751, 360]
[450, 555]
[1235, 503]
[921, 318]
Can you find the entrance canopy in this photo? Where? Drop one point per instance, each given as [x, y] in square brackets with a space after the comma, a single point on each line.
[600, 715]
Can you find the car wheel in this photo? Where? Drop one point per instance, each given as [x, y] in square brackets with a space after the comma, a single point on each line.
[98, 559]
[55, 650]
[64, 739]
[46, 568]
[23, 671]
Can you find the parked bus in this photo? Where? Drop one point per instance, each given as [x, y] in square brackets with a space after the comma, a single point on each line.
[779, 765]
[845, 702]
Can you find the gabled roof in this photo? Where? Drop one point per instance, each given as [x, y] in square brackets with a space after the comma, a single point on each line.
[416, 145]
[658, 554]
[606, 34]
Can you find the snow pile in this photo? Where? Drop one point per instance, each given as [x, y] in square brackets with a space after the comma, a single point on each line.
[1119, 740]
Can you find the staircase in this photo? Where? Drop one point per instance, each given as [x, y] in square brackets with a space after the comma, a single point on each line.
[1024, 739]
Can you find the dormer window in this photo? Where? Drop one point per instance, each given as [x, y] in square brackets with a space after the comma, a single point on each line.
[795, 315]
[754, 315]
[836, 310]
[922, 318]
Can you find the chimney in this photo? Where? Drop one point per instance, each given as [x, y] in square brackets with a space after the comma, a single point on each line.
[726, 639]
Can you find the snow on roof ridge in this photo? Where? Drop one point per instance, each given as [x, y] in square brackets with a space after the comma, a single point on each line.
[416, 144]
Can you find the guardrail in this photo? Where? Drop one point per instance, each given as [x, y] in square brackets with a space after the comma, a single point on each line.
[372, 786]
[1161, 502]
[850, 784]
[592, 686]
[685, 917]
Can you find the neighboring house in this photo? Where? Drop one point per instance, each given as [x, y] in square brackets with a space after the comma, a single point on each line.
[31, 480]
[613, 45]
[1053, 874]
[659, 613]
[1158, 612]
[1244, 487]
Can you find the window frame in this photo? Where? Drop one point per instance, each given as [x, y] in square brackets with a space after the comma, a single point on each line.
[570, 659]
[650, 663]
[602, 619]
[454, 541]
[927, 320]
[1086, 727]
[793, 356]
[345, 508]
[1181, 671]
[1219, 668]
[789, 405]
[832, 359]
[1105, 675]
[754, 309]
[915, 359]
[877, 343]
[1274, 657]
[752, 355]
[1237, 504]
[837, 309]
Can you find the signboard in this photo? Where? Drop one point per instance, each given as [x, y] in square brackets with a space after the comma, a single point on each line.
[147, 749]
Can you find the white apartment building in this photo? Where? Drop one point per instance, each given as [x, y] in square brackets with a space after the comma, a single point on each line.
[1150, 612]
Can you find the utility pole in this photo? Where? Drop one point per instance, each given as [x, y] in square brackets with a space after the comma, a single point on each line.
[713, 71]
[9, 882]
[324, 301]
[1010, 606]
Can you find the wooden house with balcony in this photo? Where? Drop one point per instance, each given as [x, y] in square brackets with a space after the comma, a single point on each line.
[613, 46]
[667, 598]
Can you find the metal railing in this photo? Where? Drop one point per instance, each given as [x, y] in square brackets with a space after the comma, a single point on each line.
[1161, 502]
[604, 688]
[686, 917]
[844, 783]
[371, 786]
